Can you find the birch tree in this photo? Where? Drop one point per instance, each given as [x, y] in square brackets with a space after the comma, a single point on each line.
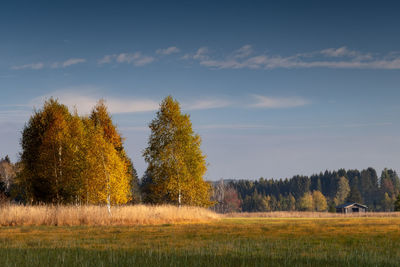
[101, 119]
[175, 161]
[47, 158]
[106, 179]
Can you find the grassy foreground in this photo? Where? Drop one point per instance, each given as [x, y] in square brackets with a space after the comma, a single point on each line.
[350, 241]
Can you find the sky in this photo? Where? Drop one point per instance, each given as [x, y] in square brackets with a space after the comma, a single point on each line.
[274, 88]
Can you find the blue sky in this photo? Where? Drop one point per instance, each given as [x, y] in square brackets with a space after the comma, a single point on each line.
[273, 89]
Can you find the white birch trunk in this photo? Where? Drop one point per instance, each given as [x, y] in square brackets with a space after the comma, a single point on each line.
[108, 186]
[179, 197]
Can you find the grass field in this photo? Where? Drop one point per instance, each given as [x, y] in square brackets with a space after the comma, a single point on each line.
[349, 241]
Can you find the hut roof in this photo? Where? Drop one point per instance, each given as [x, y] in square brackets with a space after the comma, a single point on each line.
[349, 204]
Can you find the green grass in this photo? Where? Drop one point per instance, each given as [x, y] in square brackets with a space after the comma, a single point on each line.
[229, 242]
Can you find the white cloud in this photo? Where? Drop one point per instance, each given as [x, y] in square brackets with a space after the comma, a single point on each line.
[168, 51]
[337, 52]
[206, 104]
[137, 59]
[200, 54]
[106, 59]
[85, 98]
[33, 66]
[341, 58]
[345, 52]
[243, 52]
[54, 65]
[73, 61]
[67, 63]
[278, 102]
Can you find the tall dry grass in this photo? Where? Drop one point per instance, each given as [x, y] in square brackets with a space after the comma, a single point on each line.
[13, 215]
[306, 214]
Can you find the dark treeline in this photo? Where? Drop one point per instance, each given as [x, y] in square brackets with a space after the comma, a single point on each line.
[319, 192]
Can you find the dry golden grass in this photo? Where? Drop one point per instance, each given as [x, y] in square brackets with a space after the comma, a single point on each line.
[13, 215]
[306, 214]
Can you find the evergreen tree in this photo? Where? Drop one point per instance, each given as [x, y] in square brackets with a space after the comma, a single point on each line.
[175, 161]
[256, 203]
[354, 195]
[397, 204]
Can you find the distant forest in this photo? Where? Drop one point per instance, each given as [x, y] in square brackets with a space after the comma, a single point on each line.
[319, 192]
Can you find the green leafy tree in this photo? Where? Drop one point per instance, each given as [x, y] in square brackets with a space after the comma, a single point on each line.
[387, 202]
[48, 157]
[291, 202]
[343, 190]
[319, 201]
[175, 162]
[306, 202]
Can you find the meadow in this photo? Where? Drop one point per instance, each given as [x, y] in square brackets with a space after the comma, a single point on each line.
[215, 241]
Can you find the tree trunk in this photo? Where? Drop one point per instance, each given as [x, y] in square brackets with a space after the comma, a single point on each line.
[59, 170]
[55, 175]
[108, 185]
[179, 197]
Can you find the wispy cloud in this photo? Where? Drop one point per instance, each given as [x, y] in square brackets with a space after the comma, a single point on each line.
[278, 102]
[206, 104]
[201, 54]
[32, 66]
[243, 52]
[168, 51]
[137, 59]
[341, 58]
[67, 63]
[85, 98]
[54, 65]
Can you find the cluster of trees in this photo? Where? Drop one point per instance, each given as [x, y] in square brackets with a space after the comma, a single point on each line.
[320, 192]
[67, 158]
[71, 159]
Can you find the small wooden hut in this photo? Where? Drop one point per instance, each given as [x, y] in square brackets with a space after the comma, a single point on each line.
[351, 207]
